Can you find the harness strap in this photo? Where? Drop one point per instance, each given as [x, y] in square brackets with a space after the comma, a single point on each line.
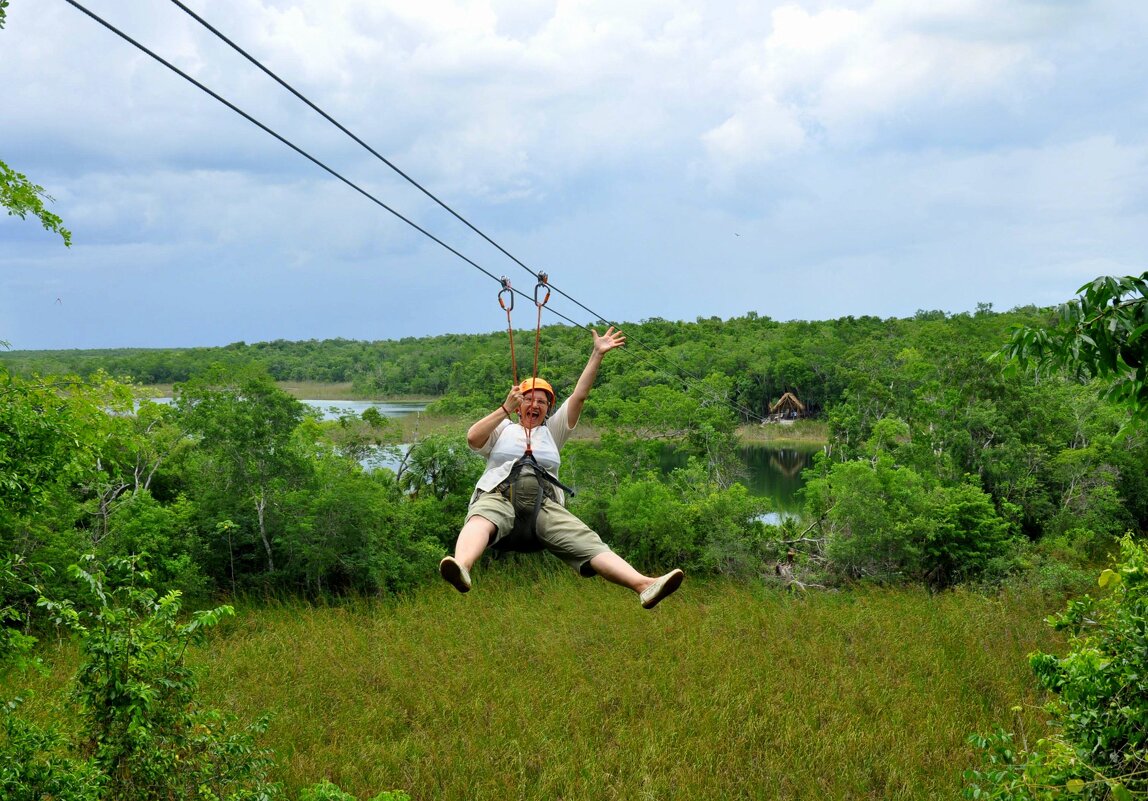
[524, 537]
[540, 471]
[508, 308]
[538, 288]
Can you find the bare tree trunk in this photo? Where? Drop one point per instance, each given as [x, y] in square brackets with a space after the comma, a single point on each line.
[260, 508]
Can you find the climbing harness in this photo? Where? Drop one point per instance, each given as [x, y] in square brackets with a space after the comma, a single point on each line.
[527, 486]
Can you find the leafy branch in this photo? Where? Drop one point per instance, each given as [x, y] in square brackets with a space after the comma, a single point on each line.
[1102, 334]
[22, 197]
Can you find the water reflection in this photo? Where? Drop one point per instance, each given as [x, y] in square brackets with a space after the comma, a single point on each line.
[775, 473]
[770, 472]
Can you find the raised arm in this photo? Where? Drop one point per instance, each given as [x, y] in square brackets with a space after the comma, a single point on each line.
[602, 345]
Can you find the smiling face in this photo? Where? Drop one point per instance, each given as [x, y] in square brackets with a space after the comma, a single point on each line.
[535, 405]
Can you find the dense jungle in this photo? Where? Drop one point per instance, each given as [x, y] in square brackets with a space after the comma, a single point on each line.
[944, 468]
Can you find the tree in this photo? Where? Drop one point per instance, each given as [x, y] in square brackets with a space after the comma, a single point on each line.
[37, 435]
[139, 716]
[440, 462]
[244, 426]
[19, 195]
[1103, 334]
[22, 197]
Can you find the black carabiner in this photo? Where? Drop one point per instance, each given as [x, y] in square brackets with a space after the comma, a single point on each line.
[542, 284]
[506, 290]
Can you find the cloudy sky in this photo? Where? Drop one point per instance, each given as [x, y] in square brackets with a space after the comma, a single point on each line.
[658, 158]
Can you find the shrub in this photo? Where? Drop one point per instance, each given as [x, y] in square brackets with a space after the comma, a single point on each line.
[1099, 746]
[140, 723]
[688, 521]
[884, 522]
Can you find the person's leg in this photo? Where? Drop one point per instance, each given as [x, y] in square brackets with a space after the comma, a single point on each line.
[472, 540]
[614, 568]
[477, 533]
[651, 591]
[579, 546]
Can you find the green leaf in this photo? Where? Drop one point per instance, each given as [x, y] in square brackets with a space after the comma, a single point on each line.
[1108, 576]
[1120, 792]
[1074, 786]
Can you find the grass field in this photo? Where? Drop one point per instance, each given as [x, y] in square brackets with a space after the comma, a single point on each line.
[796, 433]
[539, 685]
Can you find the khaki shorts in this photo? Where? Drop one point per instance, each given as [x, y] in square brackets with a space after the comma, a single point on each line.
[558, 531]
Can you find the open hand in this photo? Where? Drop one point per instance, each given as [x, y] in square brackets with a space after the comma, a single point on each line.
[608, 341]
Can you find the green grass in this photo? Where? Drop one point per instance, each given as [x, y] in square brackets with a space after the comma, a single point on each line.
[540, 685]
[796, 433]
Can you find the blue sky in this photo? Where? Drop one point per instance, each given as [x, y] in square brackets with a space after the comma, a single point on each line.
[802, 160]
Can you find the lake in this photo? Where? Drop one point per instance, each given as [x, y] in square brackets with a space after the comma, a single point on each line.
[333, 409]
[771, 472]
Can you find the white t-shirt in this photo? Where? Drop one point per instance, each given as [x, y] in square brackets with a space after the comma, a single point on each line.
[507, 443]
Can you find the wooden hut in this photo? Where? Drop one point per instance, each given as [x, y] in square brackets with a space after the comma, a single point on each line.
[787, 408]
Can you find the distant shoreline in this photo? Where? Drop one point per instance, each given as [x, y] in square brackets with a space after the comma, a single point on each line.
[800, 434]
[310, 390]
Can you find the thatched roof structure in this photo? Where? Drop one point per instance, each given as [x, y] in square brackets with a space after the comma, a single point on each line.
[788, 404]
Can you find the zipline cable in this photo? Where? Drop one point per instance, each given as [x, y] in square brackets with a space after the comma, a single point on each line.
[266, 70]
[326, 116]
[278, 136]
[155, 56]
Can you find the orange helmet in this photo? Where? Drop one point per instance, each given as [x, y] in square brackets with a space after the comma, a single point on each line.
[537, 383]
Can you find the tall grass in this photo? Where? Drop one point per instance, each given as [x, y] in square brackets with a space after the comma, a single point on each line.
[540, 685]
[805, 432]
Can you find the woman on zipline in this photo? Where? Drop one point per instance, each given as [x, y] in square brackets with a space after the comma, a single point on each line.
[519, 502]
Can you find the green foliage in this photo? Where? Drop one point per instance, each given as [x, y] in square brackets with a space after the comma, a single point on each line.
[967, 537]
[1098, 748]
[687, 521]
[36, 442]
[366, 438]
[15, 645]
[326, 791]
[140, 721]
[443, 464]
[164, 534]
[870, 513]
[34, 764]
[234, 487]
[884, 522]
[141, 731]
[244, 461]
[21, 197]
[351, 531]
[1103, 334]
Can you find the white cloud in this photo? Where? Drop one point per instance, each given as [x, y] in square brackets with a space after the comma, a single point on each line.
[955, 150]
[843, 75]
